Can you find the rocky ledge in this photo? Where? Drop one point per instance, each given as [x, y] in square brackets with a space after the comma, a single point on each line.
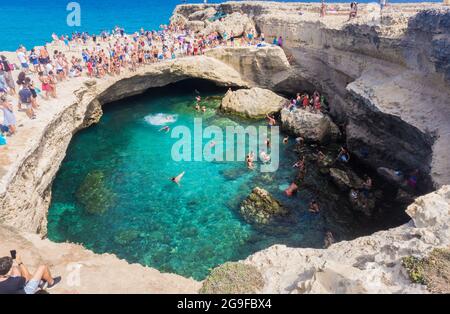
[372, 264]
[386, 78]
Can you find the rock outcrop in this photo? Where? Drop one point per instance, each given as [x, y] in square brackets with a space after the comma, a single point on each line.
[29, 163]
[264, 66]
[260, 207]
[371, 264]
[313, 127]
[234, 24]
[345, 180]
[252, 103]
[377, 71]
[83, 271]
[385, 76]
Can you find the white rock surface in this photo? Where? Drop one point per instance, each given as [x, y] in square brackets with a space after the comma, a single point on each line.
[252, 103]
[314, 127]
[371, 264]
[235, 23]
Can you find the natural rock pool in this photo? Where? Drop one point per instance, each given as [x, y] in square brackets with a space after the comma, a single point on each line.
[113, 193]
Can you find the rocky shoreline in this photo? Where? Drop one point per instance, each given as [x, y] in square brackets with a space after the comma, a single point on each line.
[389, 91]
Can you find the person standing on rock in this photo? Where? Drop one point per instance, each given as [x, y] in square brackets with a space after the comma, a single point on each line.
[25, 99]
[329, 239]
[323, 9]
[280, 41]
[8, 115]
[7, 73]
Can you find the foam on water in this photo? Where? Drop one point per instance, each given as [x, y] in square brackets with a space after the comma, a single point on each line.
[161, 118]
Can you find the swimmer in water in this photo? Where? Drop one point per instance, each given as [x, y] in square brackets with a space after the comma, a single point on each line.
[166, 128]
[198, 99]
[300, 164]
[264, 156]
[197, 107]
[204, 109]
[271, 119]
[250, 159]
[178, 178]
[268, 143]
[286, 140]
[212, 144]
[314, 207]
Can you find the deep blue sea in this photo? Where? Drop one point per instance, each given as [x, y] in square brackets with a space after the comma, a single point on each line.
[32, 22]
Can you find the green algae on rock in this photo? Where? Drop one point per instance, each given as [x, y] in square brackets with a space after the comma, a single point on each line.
[432, 271]
[260, 207]
[93, 193]
[233, 278]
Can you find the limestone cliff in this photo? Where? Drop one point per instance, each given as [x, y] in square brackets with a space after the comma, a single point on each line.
[371, 264]
[385, 74]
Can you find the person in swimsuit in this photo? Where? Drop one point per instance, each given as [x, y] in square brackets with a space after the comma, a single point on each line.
[166, 128]
[314, 207]
[272, 121]
[46, 87]
[178, 178]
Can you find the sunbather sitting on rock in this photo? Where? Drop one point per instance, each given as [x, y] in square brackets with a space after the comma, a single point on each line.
[16, 279]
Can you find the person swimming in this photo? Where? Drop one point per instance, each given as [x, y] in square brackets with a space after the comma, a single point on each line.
[204, 109]
[314, 207]
[291, 190]
[264, 156]
[249, 161]
[178, 178]
[165, 128]
[286, 140]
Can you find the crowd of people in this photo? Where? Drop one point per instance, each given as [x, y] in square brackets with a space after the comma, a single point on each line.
[97, 56]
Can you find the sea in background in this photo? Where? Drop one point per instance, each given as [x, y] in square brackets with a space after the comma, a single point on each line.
[31, 23]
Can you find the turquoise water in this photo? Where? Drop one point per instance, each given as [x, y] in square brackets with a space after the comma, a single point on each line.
[32, 22]
[113, 192]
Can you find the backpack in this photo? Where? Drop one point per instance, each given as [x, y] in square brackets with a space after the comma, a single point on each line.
[2, 140]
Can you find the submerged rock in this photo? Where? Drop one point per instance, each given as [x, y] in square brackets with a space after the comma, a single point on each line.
[93, 193]
[260, 207]
[233, 173]
[313, 127]
[223, 122]
[126, 236]
[252, 103]
[345, 180]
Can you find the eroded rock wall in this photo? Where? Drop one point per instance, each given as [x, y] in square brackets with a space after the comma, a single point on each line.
[374, 71]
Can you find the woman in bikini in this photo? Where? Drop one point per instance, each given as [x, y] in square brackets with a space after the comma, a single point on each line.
[44, 79]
